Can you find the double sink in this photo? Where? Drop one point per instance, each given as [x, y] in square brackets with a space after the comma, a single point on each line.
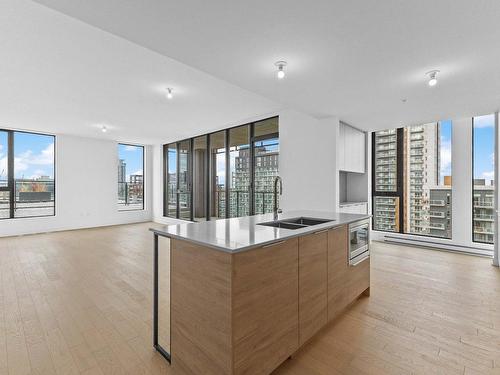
[295, 223]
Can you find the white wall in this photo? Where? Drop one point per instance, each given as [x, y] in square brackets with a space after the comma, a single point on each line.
[86, 189]
[307, 164]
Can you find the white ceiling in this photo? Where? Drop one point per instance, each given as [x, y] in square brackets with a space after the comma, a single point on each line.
[356, 59]
[353, 59]
[61, 75]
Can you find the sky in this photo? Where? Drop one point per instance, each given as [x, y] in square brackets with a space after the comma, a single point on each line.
[484, 147]
[33, 155]
[133, 156]
[445, 156]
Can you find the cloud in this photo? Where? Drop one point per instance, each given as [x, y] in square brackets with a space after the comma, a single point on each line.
[445, 158]
[131, 148]
[27, 159]
[488, 175]
[3, 167]
[137, 172]
[487, 121]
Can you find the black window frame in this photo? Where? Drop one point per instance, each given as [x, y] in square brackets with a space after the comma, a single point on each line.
[251, 141]
[11, 183]
[143, 176]
[399, 193]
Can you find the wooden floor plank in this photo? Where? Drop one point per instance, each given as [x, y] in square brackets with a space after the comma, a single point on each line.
[79, 302]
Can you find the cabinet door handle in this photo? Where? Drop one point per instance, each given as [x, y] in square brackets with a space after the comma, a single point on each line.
[273, 244]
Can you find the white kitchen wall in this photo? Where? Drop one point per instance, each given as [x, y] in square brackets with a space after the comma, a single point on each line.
[86, 189]
[307, 163]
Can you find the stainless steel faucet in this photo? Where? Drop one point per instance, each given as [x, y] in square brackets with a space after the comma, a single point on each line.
[276, 209]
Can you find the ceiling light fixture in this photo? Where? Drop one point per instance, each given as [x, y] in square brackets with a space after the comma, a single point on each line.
[280, 73]
[433, 77]
[169, 93]
[104, 129]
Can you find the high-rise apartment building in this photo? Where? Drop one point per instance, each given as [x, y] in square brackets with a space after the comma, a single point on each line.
[484, 211]
[386, 208]
[440, 212]
[421, 172]
[265, 171]
[122, 171]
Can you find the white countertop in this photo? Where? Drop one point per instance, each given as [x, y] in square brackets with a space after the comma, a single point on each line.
[243, 233]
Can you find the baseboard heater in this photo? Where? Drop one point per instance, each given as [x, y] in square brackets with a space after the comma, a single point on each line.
[438, 246]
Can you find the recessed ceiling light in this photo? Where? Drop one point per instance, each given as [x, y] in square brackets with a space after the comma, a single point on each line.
[170, 95]
[433, 77]
[280, 73]
[104, 129]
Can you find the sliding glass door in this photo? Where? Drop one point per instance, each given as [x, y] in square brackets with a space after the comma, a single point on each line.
[200, 178]
[171, 180]
[184, 177]
[225, 174]
[265, 165]
[178, 195]
[239, 171]
[218, 175]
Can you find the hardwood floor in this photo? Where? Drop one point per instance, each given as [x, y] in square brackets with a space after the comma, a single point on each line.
[79, 302]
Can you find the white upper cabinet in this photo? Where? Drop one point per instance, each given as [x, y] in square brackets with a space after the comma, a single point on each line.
[341, 148]
[352, 149]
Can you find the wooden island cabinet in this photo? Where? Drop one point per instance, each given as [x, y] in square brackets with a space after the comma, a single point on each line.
[247, 312]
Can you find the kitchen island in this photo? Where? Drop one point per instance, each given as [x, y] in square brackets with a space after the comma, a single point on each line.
[246, 296]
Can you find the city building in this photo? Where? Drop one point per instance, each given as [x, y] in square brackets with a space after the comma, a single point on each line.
[484, 211]
[440, 212]
[421, 171]
[122, 171]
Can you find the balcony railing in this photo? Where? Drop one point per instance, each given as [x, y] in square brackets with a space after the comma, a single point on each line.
[130, 195]
[382, 133]
[483, 217]
[483, 203]
[385, 154]
[438, 226]
[437, 214]
[483, 230]
[386, 147]
[437, 202]
[31, 198]
[385, 140]
[239, 203]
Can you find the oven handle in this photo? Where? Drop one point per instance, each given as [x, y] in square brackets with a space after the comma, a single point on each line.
[361, 260]
[364, 225]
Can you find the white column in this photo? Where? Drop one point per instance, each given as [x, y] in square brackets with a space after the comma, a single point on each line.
[497, 168]
[462, 181]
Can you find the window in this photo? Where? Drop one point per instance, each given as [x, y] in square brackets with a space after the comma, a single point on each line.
[130, 177]
[266, 151]
[412, 180]
[218, 175]
[428, 188]
[27, 186]
[483, 207]
[228, 173]
[239, 171]
[387, 192]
